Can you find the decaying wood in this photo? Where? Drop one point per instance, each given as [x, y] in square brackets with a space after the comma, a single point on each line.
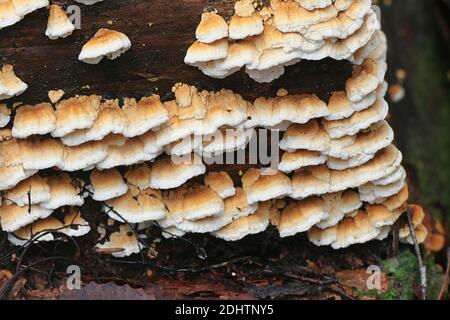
[160, 31]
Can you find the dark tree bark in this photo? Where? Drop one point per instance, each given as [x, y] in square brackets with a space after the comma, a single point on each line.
[160, 31]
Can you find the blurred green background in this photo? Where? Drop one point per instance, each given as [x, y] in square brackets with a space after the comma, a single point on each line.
[419, 43]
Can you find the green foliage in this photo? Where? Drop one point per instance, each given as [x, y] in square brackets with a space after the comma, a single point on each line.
[403, 273]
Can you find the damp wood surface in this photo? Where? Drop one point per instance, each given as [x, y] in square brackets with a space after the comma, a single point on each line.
[160, 32]
[261, 266]
[153, 65]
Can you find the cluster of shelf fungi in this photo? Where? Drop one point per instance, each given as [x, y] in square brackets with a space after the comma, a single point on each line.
[339, 178]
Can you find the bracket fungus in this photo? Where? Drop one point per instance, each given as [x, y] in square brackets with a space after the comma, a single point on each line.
[136, 206]
[24, 7]
[252, 224]
[265, 40]
[107, 184]
[5, 115]
[340, 178]
[172, 172]
[191, 202]
[10, 84]
[301, 216]
[64, 191]
[51, 228]
[221, 183]
[8, 14]
[212, 27]
[33, 190]
[59, 25]
[13, 217]
[105, 43]
[262, 187]
[110, 119]
[120, 244]
[291, 161]
[76, 113]
[29, 120]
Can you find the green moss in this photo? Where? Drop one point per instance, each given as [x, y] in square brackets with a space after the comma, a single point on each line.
[391, 294]
[403, 273]
[363, 294]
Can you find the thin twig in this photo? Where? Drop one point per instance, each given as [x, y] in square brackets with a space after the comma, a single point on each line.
[12, 201]
[422, 267]
[133, 229]
[25, 248]
[10, 283]
[190, 269]
[206, 268]
[311, 280]
[49, 231]
[340, 293]
[49, 277]
[41, 234]
[29, 200]
[447, 272]
[395, 239]
[201, 252]
[328, 284]
[3, 238]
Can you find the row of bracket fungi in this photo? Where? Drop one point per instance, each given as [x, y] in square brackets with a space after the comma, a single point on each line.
[340, 178]
[216, 206]
[265, 40]
[364, 90]
[86, 133]
[356, 200]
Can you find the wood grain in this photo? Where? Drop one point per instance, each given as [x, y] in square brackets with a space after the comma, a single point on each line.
[155, 61]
